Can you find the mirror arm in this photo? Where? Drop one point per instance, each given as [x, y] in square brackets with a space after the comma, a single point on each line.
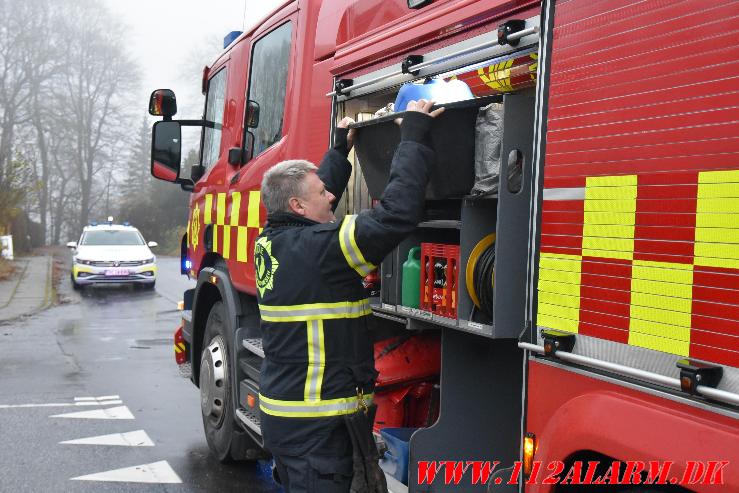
[198, 123]
[186, 184]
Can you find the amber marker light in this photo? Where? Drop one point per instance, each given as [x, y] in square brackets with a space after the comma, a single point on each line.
[180, 305]
[251, 401]
[213, 280]
[529, 449]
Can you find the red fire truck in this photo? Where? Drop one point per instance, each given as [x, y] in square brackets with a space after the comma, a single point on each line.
[585, 306]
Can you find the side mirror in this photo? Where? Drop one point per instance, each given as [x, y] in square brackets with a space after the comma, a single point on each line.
[166, 150]
[252, 114]
[163, 102]
[72, 244]
[152, 244]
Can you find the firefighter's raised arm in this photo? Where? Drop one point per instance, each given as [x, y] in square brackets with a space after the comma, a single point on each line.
[335, 168]
[368, 237]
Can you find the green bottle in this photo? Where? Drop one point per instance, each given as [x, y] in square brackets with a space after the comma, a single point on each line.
[411, 293]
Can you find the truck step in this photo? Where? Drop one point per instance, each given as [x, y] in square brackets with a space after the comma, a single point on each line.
[251, 365]
[255, 346]
[248, 407]
[250, 418]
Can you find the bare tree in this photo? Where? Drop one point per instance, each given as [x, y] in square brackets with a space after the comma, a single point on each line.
[62, 188]
[15, 56]
[97, 77]
[41, 75]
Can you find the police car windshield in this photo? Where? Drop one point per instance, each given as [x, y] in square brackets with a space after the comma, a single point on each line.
[112, 237]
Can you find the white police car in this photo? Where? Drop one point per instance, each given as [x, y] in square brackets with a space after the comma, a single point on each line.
[112, 253]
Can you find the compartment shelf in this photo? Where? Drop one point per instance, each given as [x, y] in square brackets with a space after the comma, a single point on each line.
[400, 312]
[441, 224]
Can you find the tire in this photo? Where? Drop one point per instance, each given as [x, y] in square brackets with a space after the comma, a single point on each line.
[226, 440]
[150, 287]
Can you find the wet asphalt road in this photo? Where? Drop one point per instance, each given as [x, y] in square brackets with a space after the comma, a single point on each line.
[108, 341]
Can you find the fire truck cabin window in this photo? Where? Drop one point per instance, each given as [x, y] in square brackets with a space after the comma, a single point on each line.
[214, 104]
[267, 85]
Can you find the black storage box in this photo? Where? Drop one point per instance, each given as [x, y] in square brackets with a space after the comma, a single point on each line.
[452, 136]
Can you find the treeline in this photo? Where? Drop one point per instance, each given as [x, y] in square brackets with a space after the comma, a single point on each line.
[74, 138]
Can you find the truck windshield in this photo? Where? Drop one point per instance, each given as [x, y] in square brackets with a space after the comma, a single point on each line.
[112, 238]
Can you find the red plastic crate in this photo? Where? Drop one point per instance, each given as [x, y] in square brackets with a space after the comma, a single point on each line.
[439, 275]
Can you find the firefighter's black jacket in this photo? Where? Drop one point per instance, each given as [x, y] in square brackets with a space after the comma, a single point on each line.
[314, 308]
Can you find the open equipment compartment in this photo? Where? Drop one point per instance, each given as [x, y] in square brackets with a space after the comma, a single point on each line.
[454, 217]
[480, 366]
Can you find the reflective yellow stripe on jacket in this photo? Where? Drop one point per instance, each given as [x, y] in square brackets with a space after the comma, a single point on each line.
[313, 314]
[316, 361]
[311, 409]
[349, 247]
[315, 311]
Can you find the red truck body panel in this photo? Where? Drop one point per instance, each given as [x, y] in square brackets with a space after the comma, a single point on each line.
[570, 412]
[639, 237]
[642, 116]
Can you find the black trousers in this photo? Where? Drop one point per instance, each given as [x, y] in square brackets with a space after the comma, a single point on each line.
[326, 467]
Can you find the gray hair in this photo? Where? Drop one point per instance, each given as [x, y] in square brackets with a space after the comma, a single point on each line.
[283, 181]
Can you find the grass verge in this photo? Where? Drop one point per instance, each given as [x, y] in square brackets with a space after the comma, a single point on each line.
[7, 269]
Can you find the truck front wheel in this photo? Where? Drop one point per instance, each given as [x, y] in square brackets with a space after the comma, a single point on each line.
[216, 389]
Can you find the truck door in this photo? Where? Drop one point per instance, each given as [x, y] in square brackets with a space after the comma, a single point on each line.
[265, 145]
[203, 205]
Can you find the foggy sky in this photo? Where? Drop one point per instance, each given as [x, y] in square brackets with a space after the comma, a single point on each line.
[171, 39]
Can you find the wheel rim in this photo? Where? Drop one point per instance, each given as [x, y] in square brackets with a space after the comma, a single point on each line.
[214, 381]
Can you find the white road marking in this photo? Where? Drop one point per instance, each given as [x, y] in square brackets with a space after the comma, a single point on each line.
[137, 438]
[101, 398]
[156, 472]
[61, 404]
[99, 403]
[120, 412]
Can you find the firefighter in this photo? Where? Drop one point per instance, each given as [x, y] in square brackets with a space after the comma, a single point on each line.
[318, 367]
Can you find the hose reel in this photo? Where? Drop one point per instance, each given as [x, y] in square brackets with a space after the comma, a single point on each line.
[479, 274]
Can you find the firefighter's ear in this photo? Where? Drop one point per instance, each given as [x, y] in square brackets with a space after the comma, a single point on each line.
[296, 206]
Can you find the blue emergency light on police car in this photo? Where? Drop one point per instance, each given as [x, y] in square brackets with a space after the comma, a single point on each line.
[436, 90]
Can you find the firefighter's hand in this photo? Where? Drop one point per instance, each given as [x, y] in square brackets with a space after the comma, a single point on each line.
[343, 138]
[424, 106]
[421, 106]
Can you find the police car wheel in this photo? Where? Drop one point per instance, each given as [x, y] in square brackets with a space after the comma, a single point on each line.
[215, 389]
[75, 286]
